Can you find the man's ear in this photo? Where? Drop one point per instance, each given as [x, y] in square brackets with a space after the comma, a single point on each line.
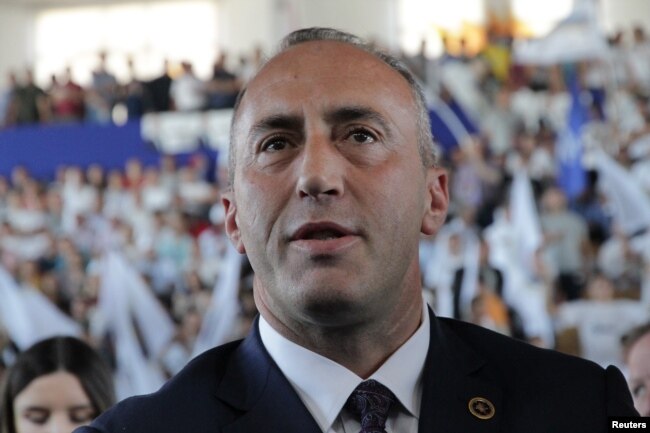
[437, 201]
[231, 224]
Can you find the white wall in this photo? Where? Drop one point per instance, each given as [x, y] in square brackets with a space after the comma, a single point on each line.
[371, 19]
[622, 14]
[244, 24]
[147, 31]
[16, 40]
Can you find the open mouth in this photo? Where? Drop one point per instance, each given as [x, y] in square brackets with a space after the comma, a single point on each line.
[320, 232]
[324, 240]
[323, 235]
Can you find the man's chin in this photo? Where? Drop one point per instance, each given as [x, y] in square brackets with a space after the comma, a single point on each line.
[327, 305]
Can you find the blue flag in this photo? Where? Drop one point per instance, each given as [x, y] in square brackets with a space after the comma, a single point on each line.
[572, 177]
[450, 124]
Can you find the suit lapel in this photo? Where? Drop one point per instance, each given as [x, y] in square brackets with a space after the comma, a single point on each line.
[258, 390]
[454, 375]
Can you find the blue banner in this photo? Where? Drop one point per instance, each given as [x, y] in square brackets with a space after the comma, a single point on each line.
[572, 177]
[44, 148]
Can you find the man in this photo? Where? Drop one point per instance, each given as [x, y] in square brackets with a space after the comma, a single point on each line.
[187, 91]
[636, 350]
[30, 102]
[334, 177]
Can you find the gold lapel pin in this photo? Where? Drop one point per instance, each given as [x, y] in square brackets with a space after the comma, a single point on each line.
[481, 408]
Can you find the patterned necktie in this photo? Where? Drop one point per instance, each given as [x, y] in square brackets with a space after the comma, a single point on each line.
[371, 401]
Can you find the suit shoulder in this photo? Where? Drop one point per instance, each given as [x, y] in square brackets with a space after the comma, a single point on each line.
[209, 366]
[516, 354]
[547, 378]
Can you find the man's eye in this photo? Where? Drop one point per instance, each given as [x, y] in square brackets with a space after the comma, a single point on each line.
[362, 136]
[274, 144]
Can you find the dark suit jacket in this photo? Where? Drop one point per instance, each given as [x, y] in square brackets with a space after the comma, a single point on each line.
[238, 388]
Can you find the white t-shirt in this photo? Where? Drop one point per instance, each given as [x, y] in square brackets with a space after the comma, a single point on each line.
[600, 326]
[188, 93]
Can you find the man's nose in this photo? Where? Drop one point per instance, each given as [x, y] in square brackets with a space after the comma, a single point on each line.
[321, 169]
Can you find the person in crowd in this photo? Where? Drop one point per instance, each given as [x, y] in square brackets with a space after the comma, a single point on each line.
[101, 96]
[212, 244]
[224, 86]
[334, 177]
[104, 82]
[638, 60]
[636, 350]
[7, 101]
[56, 385]
[565, 239]
[157, 91]
[621, 259]
[133, 94]
[489, 311]
[187, 91]
[31, 102]
[499, 124]
[600, 320]
[66, 99]
[179, 352]
[529, 154]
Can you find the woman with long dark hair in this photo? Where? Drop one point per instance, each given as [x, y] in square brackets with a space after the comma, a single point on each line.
[56, 385]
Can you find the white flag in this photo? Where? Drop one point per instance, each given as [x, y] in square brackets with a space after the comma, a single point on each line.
[28, 316]
[13, 314]
[118, 291]
[628, 202]
[525, 220]
[576, 38]
[221, 319]
[153, 320]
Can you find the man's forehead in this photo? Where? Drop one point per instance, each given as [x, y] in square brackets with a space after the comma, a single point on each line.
[339, 73]
[335, 59]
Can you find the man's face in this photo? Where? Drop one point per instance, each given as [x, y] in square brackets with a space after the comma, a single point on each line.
[329, 193]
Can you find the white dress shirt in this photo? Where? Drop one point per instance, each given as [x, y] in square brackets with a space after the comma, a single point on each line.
[324, 386]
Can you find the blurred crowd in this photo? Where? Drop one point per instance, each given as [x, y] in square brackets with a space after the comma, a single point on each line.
[586, 281]
[166, 221]
[177, 88]
[586, 284]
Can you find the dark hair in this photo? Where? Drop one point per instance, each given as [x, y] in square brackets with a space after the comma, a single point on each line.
[50, 356]
[427, 149]
[632, 337]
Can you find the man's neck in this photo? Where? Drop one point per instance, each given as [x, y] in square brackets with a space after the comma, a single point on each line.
[362, 348]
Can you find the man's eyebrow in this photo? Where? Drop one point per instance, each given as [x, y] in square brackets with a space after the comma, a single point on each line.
[356, 112]
[293, 122]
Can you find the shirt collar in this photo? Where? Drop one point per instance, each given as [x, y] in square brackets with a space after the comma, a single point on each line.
[325, 392]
